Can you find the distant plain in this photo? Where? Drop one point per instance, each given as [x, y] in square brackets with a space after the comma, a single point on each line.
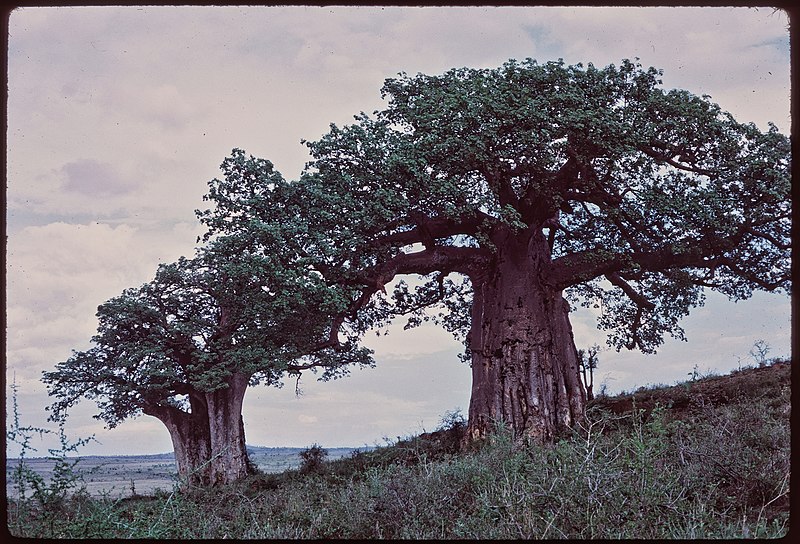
[121, 476]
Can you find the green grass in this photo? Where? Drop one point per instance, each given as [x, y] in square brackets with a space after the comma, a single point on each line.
[707, 460]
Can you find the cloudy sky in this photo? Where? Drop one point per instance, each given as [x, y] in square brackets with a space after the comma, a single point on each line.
[118, 116]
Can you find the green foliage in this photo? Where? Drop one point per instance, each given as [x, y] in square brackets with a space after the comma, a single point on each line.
[312, 459]
[647, 195]
[194, 325]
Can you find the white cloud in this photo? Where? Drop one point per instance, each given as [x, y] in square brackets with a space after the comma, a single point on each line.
[57, 275]
[89, 177]
[117, 118]
[716, 51]
[386, 401]
[164, 105]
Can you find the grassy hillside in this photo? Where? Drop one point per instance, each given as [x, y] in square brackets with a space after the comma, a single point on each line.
[705, 459]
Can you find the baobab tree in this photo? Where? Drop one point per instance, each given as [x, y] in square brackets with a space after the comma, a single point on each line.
[518, 193]
[185, 347]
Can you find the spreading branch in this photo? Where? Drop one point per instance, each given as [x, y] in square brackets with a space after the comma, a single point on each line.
[443, 259]
[632, 294]
[427, 229]
[586, 265]
[665, 158]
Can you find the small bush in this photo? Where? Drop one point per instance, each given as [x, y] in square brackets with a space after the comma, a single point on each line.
[313, 459]
[47, 503]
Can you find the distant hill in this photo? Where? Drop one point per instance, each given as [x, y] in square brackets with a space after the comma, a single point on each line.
[120, 474]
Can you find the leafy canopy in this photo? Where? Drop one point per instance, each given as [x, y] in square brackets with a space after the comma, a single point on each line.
[195, 324]
[646, 195]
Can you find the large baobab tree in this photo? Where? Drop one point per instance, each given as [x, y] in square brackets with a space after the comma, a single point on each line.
[515, 192]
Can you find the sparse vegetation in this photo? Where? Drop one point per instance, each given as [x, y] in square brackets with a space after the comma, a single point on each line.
[706, 459]
[39, 499]
[759, 352]
[587, 362]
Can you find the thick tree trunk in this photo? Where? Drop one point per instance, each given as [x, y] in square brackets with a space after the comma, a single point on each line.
[226, 431]
[525, 371]
[209, 440]
[190, 441]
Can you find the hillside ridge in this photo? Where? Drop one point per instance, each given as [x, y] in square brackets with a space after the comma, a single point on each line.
[716, 390]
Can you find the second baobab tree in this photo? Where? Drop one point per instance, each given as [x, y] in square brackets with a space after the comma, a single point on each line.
[518, 193]
[185, 347]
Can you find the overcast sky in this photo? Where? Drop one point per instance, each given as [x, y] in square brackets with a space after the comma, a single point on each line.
[118, 117]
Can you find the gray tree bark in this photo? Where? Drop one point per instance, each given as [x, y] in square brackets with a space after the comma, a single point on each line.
[209, 440]
[525, 371]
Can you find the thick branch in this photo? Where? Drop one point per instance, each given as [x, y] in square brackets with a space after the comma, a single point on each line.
[650, 152]
[768, 237]
[530, 206]
[764, 284]
[501, 186]
[464, 260]
[333, 340]
[632, 294]
[585, 265]
[306, 366]
[428, 229]
[445, 259]
[637, 322]
[164, 412]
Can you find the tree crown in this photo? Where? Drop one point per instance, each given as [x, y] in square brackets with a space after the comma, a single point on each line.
[195, 324]
[646, 196]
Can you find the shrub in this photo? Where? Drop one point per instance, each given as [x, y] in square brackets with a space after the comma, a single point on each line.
[46, 505]
[313, 459]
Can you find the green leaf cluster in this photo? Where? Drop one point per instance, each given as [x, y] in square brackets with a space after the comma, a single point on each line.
[660, 190]
[229, 310]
